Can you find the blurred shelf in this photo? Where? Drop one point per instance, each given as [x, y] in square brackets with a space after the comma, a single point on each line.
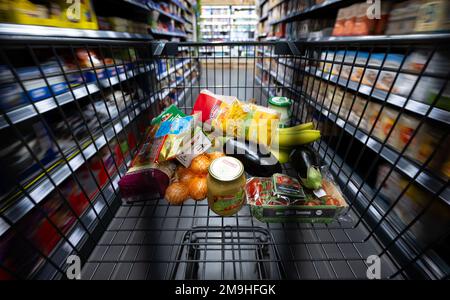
[77, 234]
[263, 17]
[168, 33]
[412, 106]
[261, 3]
[264, 88]
[384, 39]
[183, 94]
[28, 111]
[328, 4]
[15, 30]
[178, 3]
[405, 165]
[172, 69]
[276, 4]
[169, 15]
[61, 171]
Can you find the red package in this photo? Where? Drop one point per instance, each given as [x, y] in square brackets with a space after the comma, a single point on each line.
[209, 104]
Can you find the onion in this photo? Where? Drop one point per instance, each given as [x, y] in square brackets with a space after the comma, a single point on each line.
[212, 156]
[184, 175]
[198, 188]
[200, 164]
[177, 193]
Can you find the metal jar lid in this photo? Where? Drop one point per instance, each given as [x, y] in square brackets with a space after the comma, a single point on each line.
[226, 168]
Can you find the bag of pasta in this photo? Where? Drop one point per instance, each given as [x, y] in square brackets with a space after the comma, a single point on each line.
[231, 117]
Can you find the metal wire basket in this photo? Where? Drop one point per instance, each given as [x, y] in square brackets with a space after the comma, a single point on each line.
[326, 81]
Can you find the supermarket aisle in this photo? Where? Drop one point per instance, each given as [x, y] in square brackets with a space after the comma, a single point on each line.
[238, 81]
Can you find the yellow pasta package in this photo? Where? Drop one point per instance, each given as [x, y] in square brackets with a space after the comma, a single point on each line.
[232, 117]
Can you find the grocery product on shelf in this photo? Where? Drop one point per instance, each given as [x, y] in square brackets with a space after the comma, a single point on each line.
[410, 205]
[433, 16]
[403, 16]
[226, 181]
[122, 25]
[55, 13]
[323, 205]
[256, 158]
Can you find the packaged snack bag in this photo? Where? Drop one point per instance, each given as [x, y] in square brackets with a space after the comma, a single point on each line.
[232, 117]
[146, 179]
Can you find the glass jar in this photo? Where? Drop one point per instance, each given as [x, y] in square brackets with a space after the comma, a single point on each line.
[283, 106]
[226, 182]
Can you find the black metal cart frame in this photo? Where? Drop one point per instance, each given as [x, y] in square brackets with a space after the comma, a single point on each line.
[155, 240]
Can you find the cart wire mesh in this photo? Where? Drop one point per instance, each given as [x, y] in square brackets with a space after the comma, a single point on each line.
[345, 88]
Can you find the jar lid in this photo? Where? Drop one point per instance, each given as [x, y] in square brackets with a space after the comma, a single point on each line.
[280, 101]
[226, 168]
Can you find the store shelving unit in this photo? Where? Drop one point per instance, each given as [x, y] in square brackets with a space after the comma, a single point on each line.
[39, 190]
[274, 77]
[225, 23]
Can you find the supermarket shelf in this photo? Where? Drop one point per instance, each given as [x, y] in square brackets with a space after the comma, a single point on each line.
[177, 3]
[384, 39]
[412, 106]
[183, 94]
[405, 165]
[392, 225]
[276, 4]
[303, 14]
[176, 83]
[168, 33]
[188, 21]
[285, 82]
[77, 234]
[172, 69]
[26, 112]
[169, 15]
[44, 187]
[14, 30]
[427, 180]
[261, 3]
[264, 17]
[265, 88]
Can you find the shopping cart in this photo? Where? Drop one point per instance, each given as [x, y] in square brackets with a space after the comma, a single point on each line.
[380, 236]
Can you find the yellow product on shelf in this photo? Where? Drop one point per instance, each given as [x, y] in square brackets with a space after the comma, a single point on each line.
[79, 14]
[28, 13]
[433, 16]
[56, 13]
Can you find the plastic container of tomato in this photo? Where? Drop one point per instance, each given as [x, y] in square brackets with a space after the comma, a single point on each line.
[319, 206]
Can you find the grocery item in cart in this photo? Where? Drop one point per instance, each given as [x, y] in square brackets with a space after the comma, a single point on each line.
[307, 163]
[234, 118]
[146, 179]
[225, 182]
[283, 106]
[257, 159]
[319, 206]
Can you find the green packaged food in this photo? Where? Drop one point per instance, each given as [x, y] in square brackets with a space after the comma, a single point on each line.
[169, 113]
